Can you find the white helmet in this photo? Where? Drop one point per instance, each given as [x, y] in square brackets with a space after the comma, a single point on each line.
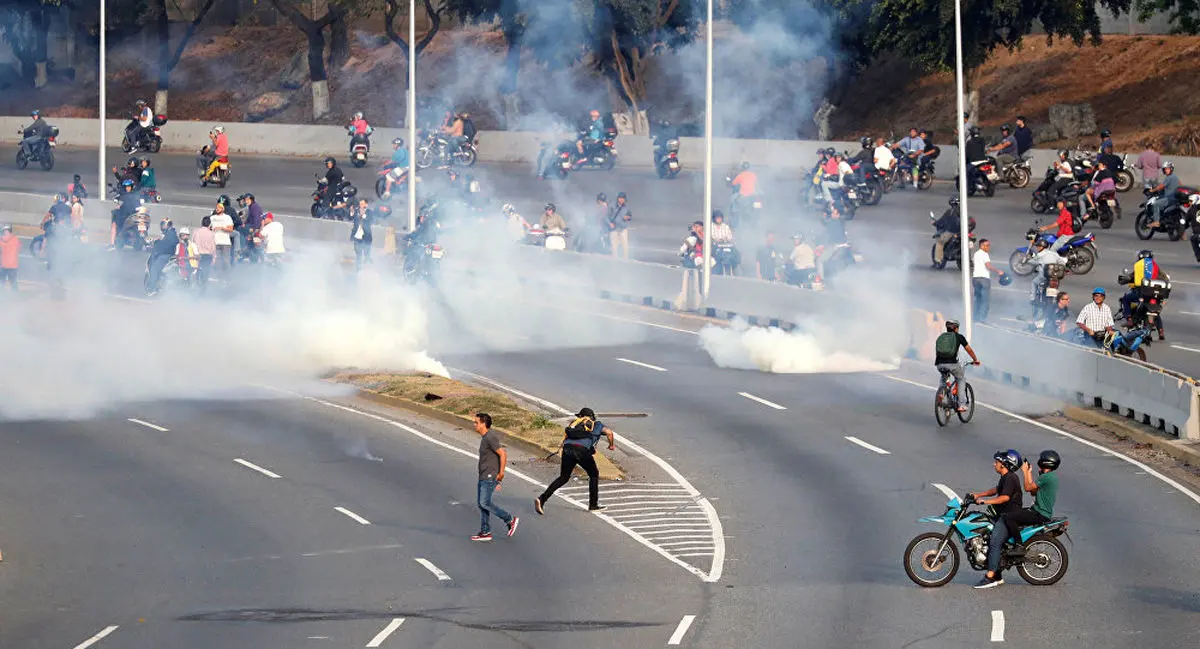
[507, 208]
[185, 231]
[142, 209]
[218, 129]
[358, 115]
[691, 241]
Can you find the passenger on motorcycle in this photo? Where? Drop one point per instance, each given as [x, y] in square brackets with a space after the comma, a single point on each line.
[976, 151]
[129, 172]
[883, 158]
[143, 118]
[1006, 498]
[1006, 148]
[161, 252]
[592, 133]
[946, 357]
[219, 151]
[1144, 270]
[77, 188]
[128, 204]
[1096, 319]
[1024, 138]
[1102, 181]
[946, 227]
[1040, 260]
[1167, 189]
[362, 131]
[831, 177]
[35, 132]
[912, 147]
[746, 182]
[397, 165]
[146, 179]
[930, 148]
[1044, 490]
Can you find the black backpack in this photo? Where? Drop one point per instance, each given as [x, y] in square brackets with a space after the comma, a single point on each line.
[469, 129]
[581, 428]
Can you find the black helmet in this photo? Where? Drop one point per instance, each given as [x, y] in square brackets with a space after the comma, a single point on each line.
[951, 325]
[621, 195]
[1049, 460]
[974, 131]
[245, 196]
[830, 151]
[717, 213]
[1006, 127]
[953, 201]
[131, 162]
[1011, 459]
[865, 141]
[1106, 133]
[223, 198]
[78, 178]
[331, 160]
[745, 165]
[1145, 254]
[398, 141]
[601, 197]
[35, 112]
[550, 207]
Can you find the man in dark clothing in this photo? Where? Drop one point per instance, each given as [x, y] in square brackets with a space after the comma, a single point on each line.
[1024, 138]
[160, 254]
[976, 151]
[1006, 498]
[946, 228]
[864, 159]
[665, 132]
[333, 174]
[360, 233]
[945, 358]
[579, 445]
[767, 259]
[34, 132]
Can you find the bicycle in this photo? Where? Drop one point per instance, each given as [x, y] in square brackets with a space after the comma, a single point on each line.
[943, 401]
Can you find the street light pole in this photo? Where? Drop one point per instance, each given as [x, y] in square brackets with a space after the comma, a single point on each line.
[412, 115]
[964, 230]
[103, 96]
[708, 135]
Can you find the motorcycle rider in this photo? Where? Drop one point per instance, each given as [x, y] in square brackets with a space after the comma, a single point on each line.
[424, 234]
[831, 179]
[1024, 137]
[219, 152]
[333, 174]
[663, 134]
[865, 159]
[34, 133]
[1040, 262]
[398, 166]
[552, 220]
[1064, 174]
[1065, 225]
[161, 252]
[912, 146]
[1102, 181]
[947, 227]
[77, 188]
[1095, 319]
[1144, 270]
[143, 118]
[362, 132]
[1167, 189]
[745, 184]
[976, 151]
[946, 348]
[1006, 498]
[591, 133]
[1006, 148]
[128, 204]
[146, 179]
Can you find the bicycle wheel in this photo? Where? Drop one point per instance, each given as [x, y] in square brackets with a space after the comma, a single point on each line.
[969, 394]
[941, 407]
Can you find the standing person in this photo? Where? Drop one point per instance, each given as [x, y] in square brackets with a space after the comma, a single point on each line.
[206, 248]
[578, 447]
[272, 233]
[1006, 498]
[981, 279]
[76, 213]
[10, 257]
[618, 222]
[1024, 139]
[360, 234]
[804, 262]
[1149, 161]
[493, 458]
[222, 228]
[767, 259]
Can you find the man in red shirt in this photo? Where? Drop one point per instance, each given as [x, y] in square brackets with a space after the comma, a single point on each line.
[1064, 224]
[10, 252]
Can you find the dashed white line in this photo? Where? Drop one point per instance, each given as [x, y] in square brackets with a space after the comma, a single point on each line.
[681, 629]
[1186, 349]
[946, 490]
[437, 572]
[96, 638]
[645, 365]
[355, 517]
[997, 626]
[254, 467]
[763, 401]
[869, 447]
[387, 631]
[148, 425]
[1189, 313]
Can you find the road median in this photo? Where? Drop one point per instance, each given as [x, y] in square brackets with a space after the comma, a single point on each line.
[455, 402]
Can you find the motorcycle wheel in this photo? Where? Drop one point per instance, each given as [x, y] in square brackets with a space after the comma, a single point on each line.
[22, 161]
[155, 145]
[380, 187]
[925, 180]
[989, 190]
[1081, 261]
[1037, 206]
[1105, 217]
[610, 161]
[1045, 561]
[126, 147]
[1019, 264]
[222, 178]
[1141, 226]
[1175, 234]
[468, 157]
[1019, 178]
[933, 258]
[662, 171]
[1140, 354]
[921, 558]
[358, 164]
[560, 172]
[47, 160]
[315, 211]
[424, 157]
[872, 192]
[1124, 180]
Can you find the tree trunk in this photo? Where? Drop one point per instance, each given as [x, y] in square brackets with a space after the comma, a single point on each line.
[160, 101]
[41, 28]
[339, 43]
[627, 72]
[164, 55]
[971, 101]
[317, 74]
[512, 60]
[320, 97]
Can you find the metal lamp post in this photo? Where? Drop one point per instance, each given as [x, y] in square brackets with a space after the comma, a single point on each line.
[964, 233]
[412, 115]
[708, 134]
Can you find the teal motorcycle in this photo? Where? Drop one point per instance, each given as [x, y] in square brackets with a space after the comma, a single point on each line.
[932, 559]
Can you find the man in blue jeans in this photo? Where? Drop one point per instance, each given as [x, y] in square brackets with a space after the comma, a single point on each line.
[492, 459]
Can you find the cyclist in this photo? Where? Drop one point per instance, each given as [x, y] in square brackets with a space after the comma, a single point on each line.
[946, 360]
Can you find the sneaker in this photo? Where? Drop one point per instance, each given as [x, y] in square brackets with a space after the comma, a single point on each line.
[989, 583]
[512, 527]
[482, 536]
[537, 506]
[596, 508]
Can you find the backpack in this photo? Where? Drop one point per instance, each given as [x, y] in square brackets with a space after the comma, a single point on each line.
[581, 428]
[947, 344]
[469, 129]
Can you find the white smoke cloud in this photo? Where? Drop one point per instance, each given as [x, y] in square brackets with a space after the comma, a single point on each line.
[780, 352]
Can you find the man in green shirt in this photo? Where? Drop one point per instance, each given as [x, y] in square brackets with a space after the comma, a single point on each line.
[1044, 489]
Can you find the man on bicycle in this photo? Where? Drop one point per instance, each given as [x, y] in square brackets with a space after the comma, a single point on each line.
[946, 360]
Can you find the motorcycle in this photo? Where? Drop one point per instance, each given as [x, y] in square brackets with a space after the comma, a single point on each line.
[1016, 174]
[173, 276]
[133, 233]
[840, 259]
[666, 161]
[931, 558]
[219, 175]
[423, 264]
[1172, 220]
[555, 160]
[1045, 302]
[553, 239]
[400, 183]
[599, 155]
[1152, 297]
[434, 148]
[870, 187]
[1108, 209]
[324, 200]
[149, 140]
[985, 179]
[727, 257]
[925, 170]
[1081, 252]
[41, 152]
[952, 251]
[147, 195]
[358, 147]
[1131, 343]
[848, 197]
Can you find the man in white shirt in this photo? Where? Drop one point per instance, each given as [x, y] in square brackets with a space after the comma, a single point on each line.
[981, 279]
[883, 155]
[1096, 318]
[272, 234]
[721, 232]
[804, 262]
[222, 227]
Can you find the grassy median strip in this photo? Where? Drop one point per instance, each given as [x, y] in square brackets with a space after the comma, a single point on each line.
[456, 402]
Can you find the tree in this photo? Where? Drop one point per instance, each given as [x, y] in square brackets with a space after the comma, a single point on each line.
[25, 26]
[1184, 14]
[313, 29]
[390, 10]
[167, 60]
[513, 22]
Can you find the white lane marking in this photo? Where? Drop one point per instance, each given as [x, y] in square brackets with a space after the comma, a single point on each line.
[387, 631]
[1186, 349]
[762, 401]
[1187, 283]
[437, 572]
[997, 626]
[645, 365]
[148, 425]
[96, 638]
[359, 519]
[254, 467]
[681, 629]
[869, 447]
[1107, 451]
[718, 531]
[946, 490]
[1189, 313]
[719, 557]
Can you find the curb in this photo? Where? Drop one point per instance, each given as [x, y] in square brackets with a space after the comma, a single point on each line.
[608, 470]
[1188, 453]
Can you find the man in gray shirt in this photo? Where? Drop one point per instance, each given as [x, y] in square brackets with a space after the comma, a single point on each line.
[1169, 186]
[619, 216]
[1006, 149]
[492, 459]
